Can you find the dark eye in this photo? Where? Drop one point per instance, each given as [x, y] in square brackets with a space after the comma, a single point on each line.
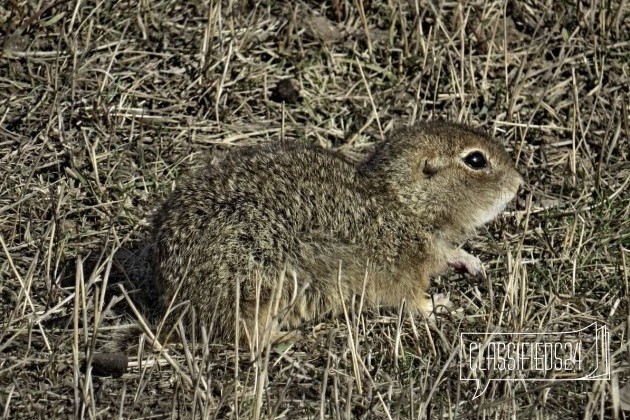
[475, 160]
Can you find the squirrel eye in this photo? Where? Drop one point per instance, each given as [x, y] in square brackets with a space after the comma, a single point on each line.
[475, 160]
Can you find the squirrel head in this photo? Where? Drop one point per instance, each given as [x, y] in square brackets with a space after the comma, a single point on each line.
[453, 177]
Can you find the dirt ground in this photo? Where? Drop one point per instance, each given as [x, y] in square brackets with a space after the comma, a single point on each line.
[104, 105]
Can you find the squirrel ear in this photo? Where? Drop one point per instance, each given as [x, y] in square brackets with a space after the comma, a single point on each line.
[429, 170]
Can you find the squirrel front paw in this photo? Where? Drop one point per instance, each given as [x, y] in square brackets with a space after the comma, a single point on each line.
[461, 261]
[432, 306]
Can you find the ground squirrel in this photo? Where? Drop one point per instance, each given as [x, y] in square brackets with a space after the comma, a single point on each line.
[293, 212]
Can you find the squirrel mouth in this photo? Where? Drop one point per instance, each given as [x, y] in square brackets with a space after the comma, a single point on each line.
[484, 217]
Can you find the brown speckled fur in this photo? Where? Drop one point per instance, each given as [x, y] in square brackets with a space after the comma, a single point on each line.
[300, 210]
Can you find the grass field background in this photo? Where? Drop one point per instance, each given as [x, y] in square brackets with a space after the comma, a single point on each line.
[104, 105]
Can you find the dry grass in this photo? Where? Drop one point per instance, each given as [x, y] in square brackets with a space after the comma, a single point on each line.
[103, 105]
